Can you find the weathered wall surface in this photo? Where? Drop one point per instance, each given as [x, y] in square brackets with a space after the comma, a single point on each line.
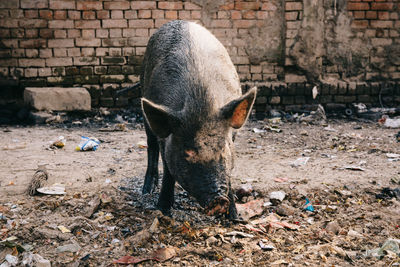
[301, 43]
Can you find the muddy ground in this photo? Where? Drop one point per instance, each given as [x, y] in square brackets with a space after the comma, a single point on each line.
[108, 218]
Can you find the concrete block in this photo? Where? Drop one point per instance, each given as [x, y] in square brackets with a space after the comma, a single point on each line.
[57, 98]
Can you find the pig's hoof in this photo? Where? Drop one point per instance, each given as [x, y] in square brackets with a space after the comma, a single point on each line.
[166, 212]
[219, 205]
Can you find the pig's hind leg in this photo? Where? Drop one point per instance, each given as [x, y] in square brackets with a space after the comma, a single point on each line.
[153, 151]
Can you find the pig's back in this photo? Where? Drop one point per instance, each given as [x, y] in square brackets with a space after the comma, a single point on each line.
[185, 63]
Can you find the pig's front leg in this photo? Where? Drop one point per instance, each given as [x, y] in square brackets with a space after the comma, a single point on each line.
[166, 199]
[151, 177]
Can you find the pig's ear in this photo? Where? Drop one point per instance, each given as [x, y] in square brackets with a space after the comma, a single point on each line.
[237, 111]
[161, 119]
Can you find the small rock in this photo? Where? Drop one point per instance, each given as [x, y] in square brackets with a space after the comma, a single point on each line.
[285, 210]
[333, 227]
[244, 191]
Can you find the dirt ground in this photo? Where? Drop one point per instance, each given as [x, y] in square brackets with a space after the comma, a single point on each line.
[106, 217]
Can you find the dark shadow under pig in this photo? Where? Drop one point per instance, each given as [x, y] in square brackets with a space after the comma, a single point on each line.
[192, 101]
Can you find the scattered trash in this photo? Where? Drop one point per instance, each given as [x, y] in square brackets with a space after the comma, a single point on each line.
[11, 260]
[250, 209]
[142, 144]
[285, 210]
[390, 123]
[390, 246]
[277, 197]
[393, 156]
[388, 193]
[266, 247]
[160, 255]
[88, 144]
[281, 180]
[300, 162]
[63, 229]
[38, 180]
[273, 128]
[315, 92]
[245, 190]
[241, 234]
[68, 248]
[59, 143]
[308, 206]
[256, 130]
[56, 189]
[354, 234]
[354, 168]
[119, 127]
[330, 129]
[36, 260]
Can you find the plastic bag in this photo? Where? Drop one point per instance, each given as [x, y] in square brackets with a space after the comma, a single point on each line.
[88, 144]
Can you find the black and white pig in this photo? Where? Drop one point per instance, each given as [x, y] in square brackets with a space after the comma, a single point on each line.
[192, 101]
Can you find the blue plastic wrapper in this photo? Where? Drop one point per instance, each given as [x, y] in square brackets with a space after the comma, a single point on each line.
[308, 206]
[88, 144]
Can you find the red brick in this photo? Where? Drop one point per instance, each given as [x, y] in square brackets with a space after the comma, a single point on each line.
[31, 3]
[89, 5]
[46, 33]
[88, 34]
[143, 4]
[141, 23]
[244, 23]
[87, 24]
[144, 14]
[359, 14]
[360, 24]
[65, 4]
[88, 15]
[33, 23]
[60, 34]
[221, 23]
[60, 52]
[383, 15]
[58, 24]
[184, 15]
[270, 7]
[31, 14]
[31, 33]
[103, 14]
[58, 61]
[249, 14]
[357, 6]
[293, 6]
[382, 6]
[8, 23]
[371, 15]
[72, 14]
[73, 33]
[46, 14]
[228, 6]
[115, 23]
[142, 32]
[60, 43]
[157, 14]
[291, 15]
[394, 15]
[60, 14]
[32, 62]
[87, 42]
[171, 14]
[170, 5]
[17, 33]
[192, 6]
[236, 14]
[5, 33]
[117, 5]
[196, 14]
[159, 22]
[381, 23]
[117, 14]
[247, 5]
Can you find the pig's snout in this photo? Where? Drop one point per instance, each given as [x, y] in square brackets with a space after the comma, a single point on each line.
[218, 205]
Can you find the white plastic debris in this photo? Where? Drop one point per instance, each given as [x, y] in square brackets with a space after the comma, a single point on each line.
[300, 162]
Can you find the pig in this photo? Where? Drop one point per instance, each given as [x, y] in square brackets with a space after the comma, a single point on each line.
[192, 102]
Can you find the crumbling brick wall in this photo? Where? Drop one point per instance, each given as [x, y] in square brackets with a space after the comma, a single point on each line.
[100, 45]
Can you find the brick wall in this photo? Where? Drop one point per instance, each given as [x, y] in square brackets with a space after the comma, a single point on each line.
[100, 44]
